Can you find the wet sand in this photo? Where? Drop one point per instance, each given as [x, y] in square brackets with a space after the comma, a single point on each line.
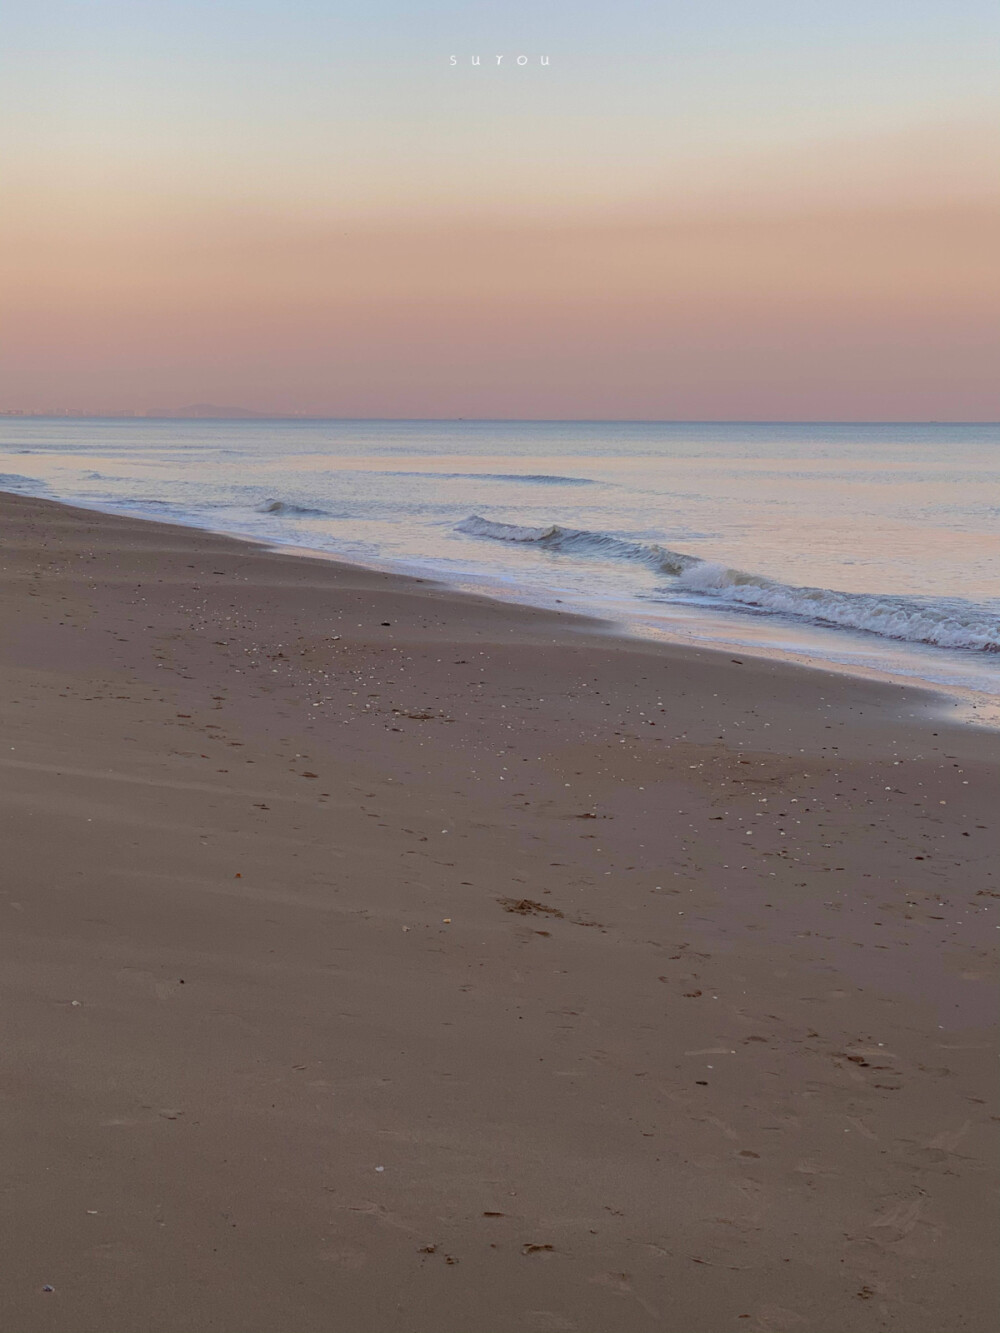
[380, 959]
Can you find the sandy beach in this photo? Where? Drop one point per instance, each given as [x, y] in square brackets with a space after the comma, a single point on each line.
[380, 959]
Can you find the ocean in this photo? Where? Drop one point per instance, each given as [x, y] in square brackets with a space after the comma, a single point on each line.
[872, 547]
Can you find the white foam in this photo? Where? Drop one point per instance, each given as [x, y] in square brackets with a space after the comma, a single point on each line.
[577, 541]
[944, 623]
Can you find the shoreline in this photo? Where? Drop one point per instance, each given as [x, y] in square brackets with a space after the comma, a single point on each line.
[385, 956]
[981, 708]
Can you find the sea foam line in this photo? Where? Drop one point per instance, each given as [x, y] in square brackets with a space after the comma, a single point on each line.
[950, 624]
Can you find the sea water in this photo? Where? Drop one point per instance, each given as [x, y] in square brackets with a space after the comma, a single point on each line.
[875, 547]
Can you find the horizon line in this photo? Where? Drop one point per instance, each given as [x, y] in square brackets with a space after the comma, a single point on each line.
[249, 416]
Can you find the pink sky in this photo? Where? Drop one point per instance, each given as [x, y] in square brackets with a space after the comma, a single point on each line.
[539, 255]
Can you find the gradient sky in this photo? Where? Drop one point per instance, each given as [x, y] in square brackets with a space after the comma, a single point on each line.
[718, 209]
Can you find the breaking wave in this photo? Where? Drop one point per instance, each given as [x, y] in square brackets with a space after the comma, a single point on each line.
[948, 623]
[576, 541]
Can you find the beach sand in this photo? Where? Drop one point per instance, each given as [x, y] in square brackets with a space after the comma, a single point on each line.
[381, 959]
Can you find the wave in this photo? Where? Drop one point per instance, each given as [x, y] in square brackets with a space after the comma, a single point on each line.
[943, 624]
[951, 624]
[15, 481]
[286, 507]
[534, 478]
[576, 541]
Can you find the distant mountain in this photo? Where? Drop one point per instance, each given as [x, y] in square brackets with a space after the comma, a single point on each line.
[205, 410]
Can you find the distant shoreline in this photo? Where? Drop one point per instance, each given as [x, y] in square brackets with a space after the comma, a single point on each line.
[247, 415]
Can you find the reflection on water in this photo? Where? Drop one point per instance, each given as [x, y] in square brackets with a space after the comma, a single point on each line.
[872, 546]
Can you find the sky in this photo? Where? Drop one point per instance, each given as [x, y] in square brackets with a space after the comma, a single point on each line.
[719, 209]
